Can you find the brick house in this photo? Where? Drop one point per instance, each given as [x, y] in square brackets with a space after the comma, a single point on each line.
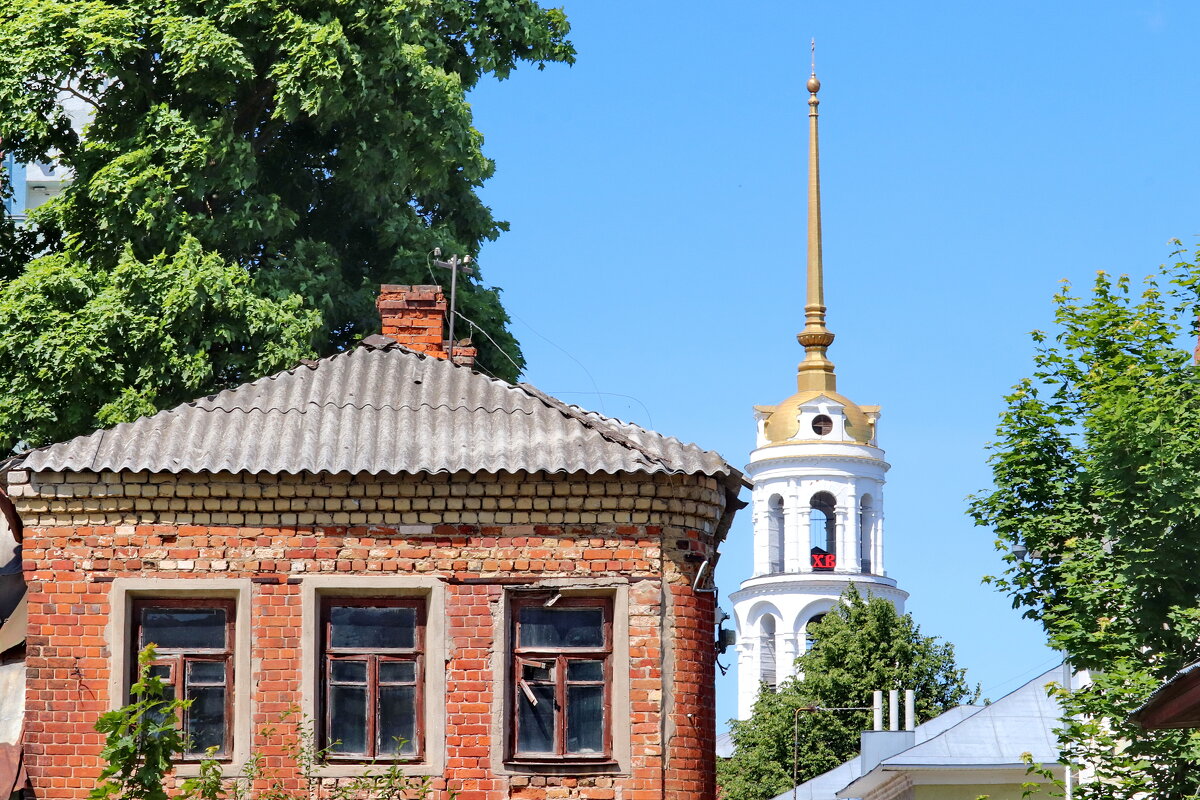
[505, 593]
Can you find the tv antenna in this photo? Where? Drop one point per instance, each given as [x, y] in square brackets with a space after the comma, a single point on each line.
[455, 265]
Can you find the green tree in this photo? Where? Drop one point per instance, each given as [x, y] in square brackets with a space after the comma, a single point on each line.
[1097, 478]
[861, 645]
[293, 154]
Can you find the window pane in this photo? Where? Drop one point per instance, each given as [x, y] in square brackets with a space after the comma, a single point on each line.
[183, 628]
[206, 718]
[368, 628]
[535, 724]
[562, 627]
[349, 671]
[347, 719]
[397, 671]
[533, 672]
[211, 672]
[397, 720]
[585, 719]
[585, 670]
[163, 673]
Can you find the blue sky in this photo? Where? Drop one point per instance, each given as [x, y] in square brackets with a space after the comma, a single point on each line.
[973, 154]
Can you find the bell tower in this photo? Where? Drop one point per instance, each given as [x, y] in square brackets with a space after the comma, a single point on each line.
[817, 502]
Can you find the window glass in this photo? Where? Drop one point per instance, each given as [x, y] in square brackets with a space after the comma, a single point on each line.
[397, 671]
[397, 728]
[348, 719]
[585, 719]
[536, 722]
[585, 670]
[183, 628]
[345, 671]
[368, 627]
[206, 718]
[195, 662]
[561, 627]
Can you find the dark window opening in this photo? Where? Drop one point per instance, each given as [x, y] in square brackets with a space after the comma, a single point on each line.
[810, 637]
[193, 641]
[562, 673]
[822, 527]
[822, 425]
[372, 674]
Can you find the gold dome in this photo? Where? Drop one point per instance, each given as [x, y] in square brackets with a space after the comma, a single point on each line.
[783, 421]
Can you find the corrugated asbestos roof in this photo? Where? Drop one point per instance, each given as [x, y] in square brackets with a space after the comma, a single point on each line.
[379, 408]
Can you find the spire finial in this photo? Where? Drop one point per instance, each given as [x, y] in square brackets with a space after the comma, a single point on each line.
[815, 371]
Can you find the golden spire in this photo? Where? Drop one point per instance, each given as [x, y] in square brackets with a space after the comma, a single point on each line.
[815, 372]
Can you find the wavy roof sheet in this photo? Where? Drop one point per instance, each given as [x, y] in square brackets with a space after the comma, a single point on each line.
[379, 408]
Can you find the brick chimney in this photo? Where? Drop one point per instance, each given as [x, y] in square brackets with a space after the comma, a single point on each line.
[415, 316]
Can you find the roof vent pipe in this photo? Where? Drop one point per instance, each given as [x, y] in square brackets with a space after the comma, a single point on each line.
[877, 706]
[893, 709]
[910, 710]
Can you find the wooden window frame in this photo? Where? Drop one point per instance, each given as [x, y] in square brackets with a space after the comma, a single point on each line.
[176, 659]
[560, 656]
[329, 655]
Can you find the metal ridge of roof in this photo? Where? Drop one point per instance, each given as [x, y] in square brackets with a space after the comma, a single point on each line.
[379, 408]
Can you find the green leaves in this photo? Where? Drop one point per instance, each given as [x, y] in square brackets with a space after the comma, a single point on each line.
[861, 645]
[142, 740]
[1097, 475]
[322, 148]
[81, 349]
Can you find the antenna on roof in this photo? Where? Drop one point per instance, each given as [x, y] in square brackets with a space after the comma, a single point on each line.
[455, 265]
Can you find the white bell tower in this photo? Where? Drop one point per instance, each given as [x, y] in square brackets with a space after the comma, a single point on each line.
[817, 503]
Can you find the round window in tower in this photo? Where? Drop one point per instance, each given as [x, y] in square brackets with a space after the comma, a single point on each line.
[822, 425]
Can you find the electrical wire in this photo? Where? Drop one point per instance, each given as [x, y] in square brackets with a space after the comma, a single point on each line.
[649, 418]
[475, 327]
[595, 386]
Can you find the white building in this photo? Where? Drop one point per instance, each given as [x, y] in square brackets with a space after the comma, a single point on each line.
[35, 182]
[965, 753]
[818, 476]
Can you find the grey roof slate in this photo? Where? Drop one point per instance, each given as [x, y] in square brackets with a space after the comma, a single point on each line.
[379, 408]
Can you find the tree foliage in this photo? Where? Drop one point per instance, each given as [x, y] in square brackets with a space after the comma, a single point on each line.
[1097, 475]
[141, 740]
[301, 152]
[862, 645]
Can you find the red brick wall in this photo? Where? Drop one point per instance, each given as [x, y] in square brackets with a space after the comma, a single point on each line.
[69, 569]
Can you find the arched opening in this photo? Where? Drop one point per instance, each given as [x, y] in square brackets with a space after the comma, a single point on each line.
[822, 532]
[810, 638]
[766, 645]
[775, 535]
[866, 525]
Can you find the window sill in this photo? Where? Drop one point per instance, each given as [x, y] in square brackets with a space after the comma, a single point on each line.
[191, 769]
[356, 769]
[573, 765]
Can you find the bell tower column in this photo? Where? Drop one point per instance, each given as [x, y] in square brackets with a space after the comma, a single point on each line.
[797, 529]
